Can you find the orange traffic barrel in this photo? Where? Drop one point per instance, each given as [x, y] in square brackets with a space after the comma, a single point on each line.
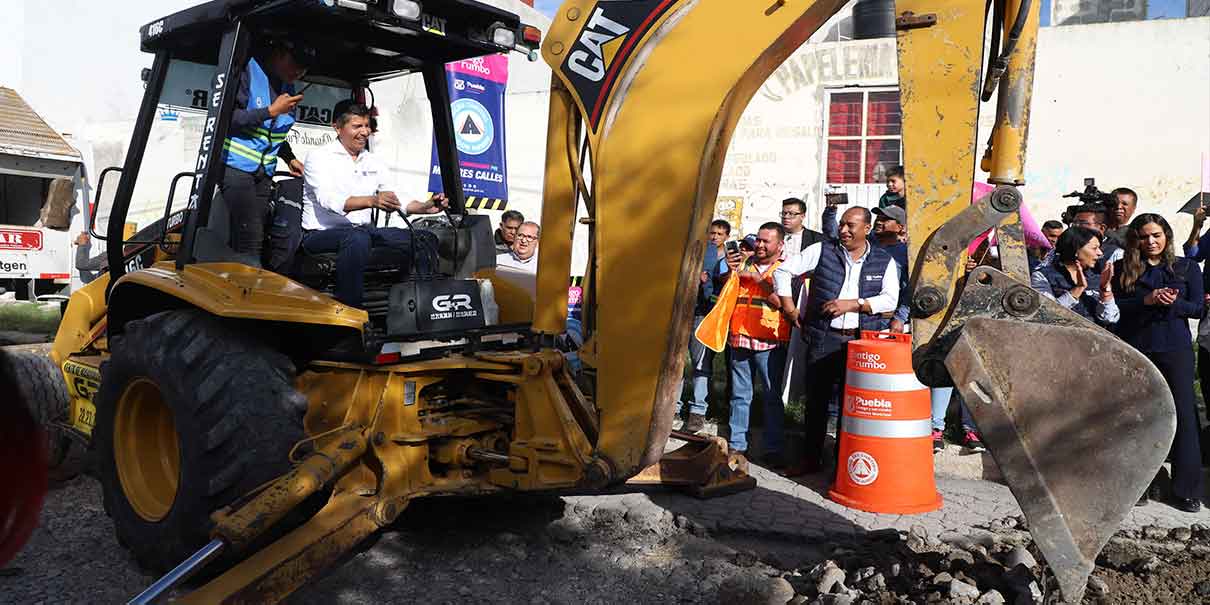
[885, 464]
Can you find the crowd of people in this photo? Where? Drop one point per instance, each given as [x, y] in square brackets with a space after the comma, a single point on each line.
[799, 296]
[1122, 272]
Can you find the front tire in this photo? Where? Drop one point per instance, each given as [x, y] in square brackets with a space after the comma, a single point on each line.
[191, 414]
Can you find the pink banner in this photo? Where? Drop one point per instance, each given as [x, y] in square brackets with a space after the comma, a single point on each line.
[491, 67]
[1034, 237]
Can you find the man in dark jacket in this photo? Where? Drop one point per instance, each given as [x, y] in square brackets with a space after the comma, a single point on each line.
[506, 233]
[1125, 202]
[890, 229]
[798, 236]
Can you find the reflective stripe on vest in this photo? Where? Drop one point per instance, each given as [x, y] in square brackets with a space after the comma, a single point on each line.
[870, 381]
[256, 148]
[889, 429]
[754, 316]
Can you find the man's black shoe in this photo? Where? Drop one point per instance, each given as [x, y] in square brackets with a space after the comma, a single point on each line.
[1154, 491]
[806, 467]
[773, 461]
[694, 423]
[1189, 505]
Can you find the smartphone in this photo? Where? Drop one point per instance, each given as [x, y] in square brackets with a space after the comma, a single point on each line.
[732, 247]
[836, 199]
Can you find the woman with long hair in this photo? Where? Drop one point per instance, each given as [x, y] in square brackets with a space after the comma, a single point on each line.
[1158, 294]
[1071, 280]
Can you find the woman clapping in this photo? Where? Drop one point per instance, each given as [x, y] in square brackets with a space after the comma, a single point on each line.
[1071, 281]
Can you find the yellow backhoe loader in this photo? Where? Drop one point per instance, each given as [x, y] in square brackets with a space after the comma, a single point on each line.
[251, 415]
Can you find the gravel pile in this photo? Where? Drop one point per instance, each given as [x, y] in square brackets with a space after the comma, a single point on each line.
[995, 565]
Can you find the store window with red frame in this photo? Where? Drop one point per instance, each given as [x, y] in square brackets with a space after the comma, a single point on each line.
[880, 113]
[845, 115]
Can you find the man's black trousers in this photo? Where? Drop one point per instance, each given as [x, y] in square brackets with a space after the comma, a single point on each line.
[247, 197]
[824, 376]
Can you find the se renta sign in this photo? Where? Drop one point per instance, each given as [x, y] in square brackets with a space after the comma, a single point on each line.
[477, 89]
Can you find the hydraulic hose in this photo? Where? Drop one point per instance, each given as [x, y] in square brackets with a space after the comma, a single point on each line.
[996, 69]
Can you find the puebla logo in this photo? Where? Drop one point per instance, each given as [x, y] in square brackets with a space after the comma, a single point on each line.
[862, 467]
[473, 127]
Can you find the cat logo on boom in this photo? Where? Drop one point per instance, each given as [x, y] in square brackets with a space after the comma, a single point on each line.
[597, 46]
[608, 37]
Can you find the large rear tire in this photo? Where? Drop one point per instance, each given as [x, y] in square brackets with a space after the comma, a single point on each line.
[191, 414]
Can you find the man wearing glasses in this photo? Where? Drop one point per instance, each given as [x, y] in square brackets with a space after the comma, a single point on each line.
[524, 254]
[798, 237]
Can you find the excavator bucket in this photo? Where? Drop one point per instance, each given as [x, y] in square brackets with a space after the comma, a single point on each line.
[1078, 421]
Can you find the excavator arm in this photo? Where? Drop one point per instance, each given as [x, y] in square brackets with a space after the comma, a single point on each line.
[650, 91]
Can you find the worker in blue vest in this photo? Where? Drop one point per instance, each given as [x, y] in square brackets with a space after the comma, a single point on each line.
[264, 105]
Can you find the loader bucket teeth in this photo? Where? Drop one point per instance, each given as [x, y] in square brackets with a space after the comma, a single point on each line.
[1078, 421]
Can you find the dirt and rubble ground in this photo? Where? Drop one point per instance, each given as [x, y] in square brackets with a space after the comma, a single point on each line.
[781, 542]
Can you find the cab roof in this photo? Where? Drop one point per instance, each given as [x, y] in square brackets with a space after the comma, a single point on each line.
[354, 41]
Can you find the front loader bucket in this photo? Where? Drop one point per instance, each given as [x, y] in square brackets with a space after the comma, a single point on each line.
[703, 466]
[1078, 421]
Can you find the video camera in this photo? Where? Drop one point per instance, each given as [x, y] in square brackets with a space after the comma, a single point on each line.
[1090, 199]
[1092, 195]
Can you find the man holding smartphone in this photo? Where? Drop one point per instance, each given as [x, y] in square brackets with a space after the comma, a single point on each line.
[757, 334]
[262, 119]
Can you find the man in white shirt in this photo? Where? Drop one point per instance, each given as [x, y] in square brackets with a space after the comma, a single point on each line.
[793, 220]
[854, 287]
[343, 184]
[523, 256]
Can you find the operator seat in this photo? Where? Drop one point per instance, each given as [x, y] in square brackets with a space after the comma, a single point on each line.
[459, 250]
[319, 270]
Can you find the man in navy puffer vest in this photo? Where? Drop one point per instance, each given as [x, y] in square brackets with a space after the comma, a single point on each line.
[854, 287]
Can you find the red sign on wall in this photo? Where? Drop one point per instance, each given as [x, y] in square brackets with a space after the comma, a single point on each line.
[20, 239]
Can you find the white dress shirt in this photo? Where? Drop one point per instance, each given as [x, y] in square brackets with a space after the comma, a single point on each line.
[885, 302]
[330, 177]
[509, 260]
[792, 244]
